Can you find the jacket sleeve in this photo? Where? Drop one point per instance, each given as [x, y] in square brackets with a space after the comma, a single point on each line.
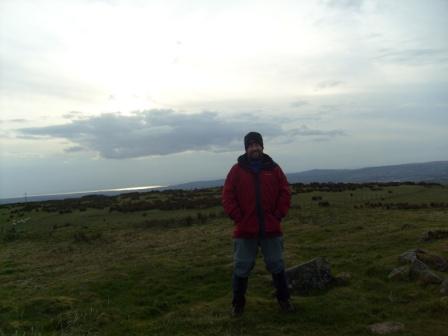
[284, 197]
[229, 198]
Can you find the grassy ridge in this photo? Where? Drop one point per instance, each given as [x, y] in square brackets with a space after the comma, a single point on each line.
[153, 272]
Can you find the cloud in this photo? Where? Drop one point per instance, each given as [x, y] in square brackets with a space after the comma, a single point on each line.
[422, 56]
[72, 115]
[305, 131]
[299, 103]
[74, 149]
[18, 120]
[328, 84]
[330, 107]
[353, 5]
[27, 78]
[163, 132]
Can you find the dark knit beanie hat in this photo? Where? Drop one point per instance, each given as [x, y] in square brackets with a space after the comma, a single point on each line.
[253, 137]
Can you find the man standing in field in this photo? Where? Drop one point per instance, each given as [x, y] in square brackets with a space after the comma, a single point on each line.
[256, 196]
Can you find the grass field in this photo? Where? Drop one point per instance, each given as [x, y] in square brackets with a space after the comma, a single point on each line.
[92, 271]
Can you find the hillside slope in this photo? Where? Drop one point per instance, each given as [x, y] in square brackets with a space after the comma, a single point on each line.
[415, 172]
[160, 263]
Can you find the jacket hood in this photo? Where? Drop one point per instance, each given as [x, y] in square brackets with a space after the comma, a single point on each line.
[266, 162]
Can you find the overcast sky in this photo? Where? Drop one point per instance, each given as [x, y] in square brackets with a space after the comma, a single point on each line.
[109, 94]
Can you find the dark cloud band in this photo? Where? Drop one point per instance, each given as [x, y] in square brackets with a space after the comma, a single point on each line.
[163, 132]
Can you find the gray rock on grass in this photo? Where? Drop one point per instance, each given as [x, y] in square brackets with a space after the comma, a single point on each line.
[418, 267]
[384, 328]
[311, 275]
[435, 261]
[435, 234]
[444, 287]
[400, 273]
[409, 256]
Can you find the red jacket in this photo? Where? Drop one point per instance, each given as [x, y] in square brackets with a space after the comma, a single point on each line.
[256, 201]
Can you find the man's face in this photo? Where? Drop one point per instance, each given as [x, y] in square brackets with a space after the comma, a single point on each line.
[254, 150]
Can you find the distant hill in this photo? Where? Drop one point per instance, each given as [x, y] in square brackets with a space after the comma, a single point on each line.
[414, 172]
[436, 171]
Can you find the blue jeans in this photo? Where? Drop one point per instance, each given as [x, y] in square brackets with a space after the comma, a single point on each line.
[245, 252]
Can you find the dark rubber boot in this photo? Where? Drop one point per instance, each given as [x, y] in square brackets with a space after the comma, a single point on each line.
[239, 295]
[283, 296]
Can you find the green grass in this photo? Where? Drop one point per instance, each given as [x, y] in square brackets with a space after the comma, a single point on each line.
[97, 272]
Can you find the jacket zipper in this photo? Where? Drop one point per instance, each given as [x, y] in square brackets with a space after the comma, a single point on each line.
[260, 215]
